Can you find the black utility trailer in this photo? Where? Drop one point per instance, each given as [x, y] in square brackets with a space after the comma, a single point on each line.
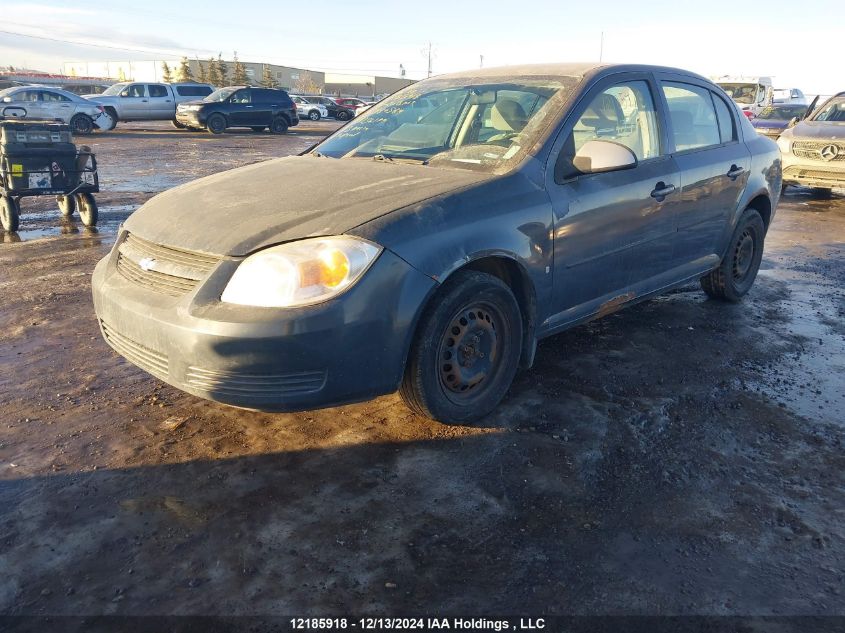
[38, 158]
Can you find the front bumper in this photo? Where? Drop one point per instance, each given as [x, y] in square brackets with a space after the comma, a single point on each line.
[189, 118]
[348, 349]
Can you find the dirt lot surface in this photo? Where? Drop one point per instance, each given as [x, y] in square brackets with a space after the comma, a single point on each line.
[680, 457]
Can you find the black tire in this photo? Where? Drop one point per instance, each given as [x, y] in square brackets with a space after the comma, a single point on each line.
[466, 349]
[258, 128]
[216, 123]
[87, 206]
[279, 125]
[343, 115]
[738, 270]
[314, 115]
[67, 205]
[81, 124]
[10, 214]
[177, 125]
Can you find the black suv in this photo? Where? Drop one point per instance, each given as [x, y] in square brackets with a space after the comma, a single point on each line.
[240, 106]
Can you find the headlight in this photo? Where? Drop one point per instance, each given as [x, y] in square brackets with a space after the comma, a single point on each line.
[300, 273]
[784, 144]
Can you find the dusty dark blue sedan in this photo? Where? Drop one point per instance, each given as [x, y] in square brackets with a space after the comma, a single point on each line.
[428, 245]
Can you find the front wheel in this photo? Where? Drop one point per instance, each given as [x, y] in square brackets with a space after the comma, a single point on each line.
[67, 205]
[343, 116]
[738, 270]
[10, 214]
[81, 124]
[177, 124]
[216, 124]
[88, 211]
[314, 115]
[279, 125]
[466, 350]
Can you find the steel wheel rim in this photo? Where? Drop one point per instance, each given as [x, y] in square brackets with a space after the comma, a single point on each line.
[743, 255]
[469, 351]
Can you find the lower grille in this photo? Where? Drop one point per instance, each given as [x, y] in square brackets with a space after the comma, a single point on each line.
[147, 359]
[814, 174]
[255, 385]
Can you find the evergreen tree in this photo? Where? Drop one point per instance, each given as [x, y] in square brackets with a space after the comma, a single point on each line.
[223, 69]
[213, 73]
[166, 76]
[239, 78]
[267, 79]
[203, 75]
[184, 73]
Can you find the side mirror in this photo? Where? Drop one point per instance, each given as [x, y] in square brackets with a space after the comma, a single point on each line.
[598, 156]
[793, 121]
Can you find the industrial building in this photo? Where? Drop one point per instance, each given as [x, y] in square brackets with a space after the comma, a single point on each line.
[287, 77]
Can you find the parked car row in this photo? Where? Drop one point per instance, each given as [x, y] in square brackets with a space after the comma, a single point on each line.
[235, 106]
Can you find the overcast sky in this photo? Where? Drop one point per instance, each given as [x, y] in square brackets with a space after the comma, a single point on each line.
[797, 44]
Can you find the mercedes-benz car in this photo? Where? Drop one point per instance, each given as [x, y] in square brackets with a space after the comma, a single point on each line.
[430, 249]
[814, 149]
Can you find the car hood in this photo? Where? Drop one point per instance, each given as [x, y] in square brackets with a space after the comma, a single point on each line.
[239, 211]
[818, 130]
[99, 97]
[194, 102]
[769, 123]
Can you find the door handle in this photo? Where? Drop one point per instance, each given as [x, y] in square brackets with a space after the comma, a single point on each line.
[734, 172]
[249, 106]
[661, 190]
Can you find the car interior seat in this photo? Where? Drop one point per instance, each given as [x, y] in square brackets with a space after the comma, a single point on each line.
[508, 118]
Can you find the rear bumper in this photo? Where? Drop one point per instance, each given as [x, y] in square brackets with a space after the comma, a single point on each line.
[349, 349]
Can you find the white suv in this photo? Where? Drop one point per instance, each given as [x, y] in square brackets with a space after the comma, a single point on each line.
[307, 110]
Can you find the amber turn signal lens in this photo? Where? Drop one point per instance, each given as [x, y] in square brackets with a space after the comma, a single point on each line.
[334, 267]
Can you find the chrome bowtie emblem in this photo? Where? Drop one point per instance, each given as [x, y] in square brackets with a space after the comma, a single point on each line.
[148, 263]
[829, 152]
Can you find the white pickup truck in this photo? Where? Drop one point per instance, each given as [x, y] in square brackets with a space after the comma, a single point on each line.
[139, 101]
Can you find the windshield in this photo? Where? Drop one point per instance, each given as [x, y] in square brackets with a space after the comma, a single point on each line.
[783, 113]
[7, 91]
[447, 123]
[741, 93]
[114, 90]
[221, 94]
[833, 111]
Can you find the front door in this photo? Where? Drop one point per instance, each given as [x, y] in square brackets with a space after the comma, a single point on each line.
[714, 169]
[133, 102]
[613, 231]
[243, 109]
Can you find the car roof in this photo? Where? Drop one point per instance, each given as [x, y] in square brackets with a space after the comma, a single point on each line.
[573, 69]
[16, 89]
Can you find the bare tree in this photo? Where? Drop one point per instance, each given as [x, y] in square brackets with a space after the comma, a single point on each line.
[306, 85]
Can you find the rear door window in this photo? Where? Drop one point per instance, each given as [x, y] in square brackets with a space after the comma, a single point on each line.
[193, 91]
[157, 90]
[693, 117]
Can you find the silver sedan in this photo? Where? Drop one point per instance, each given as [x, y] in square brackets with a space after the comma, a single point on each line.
[38, 102]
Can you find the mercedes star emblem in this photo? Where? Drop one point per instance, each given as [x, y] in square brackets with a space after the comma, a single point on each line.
[829, 152]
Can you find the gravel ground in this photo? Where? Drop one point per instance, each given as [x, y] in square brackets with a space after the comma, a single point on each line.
[680, 457]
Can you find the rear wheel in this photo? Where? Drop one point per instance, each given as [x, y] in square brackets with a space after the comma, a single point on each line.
[10, 214]
[177, 125]
[67, 205]
[258, 128]
[81, 124]
[216, 124]
[279, 126]
[738, 270]
[88, 212]
[466, 350]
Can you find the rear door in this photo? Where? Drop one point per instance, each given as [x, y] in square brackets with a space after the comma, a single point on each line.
[161, 104]
[614, 231]
[266, 102]
[714, 167]
[57, 106]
